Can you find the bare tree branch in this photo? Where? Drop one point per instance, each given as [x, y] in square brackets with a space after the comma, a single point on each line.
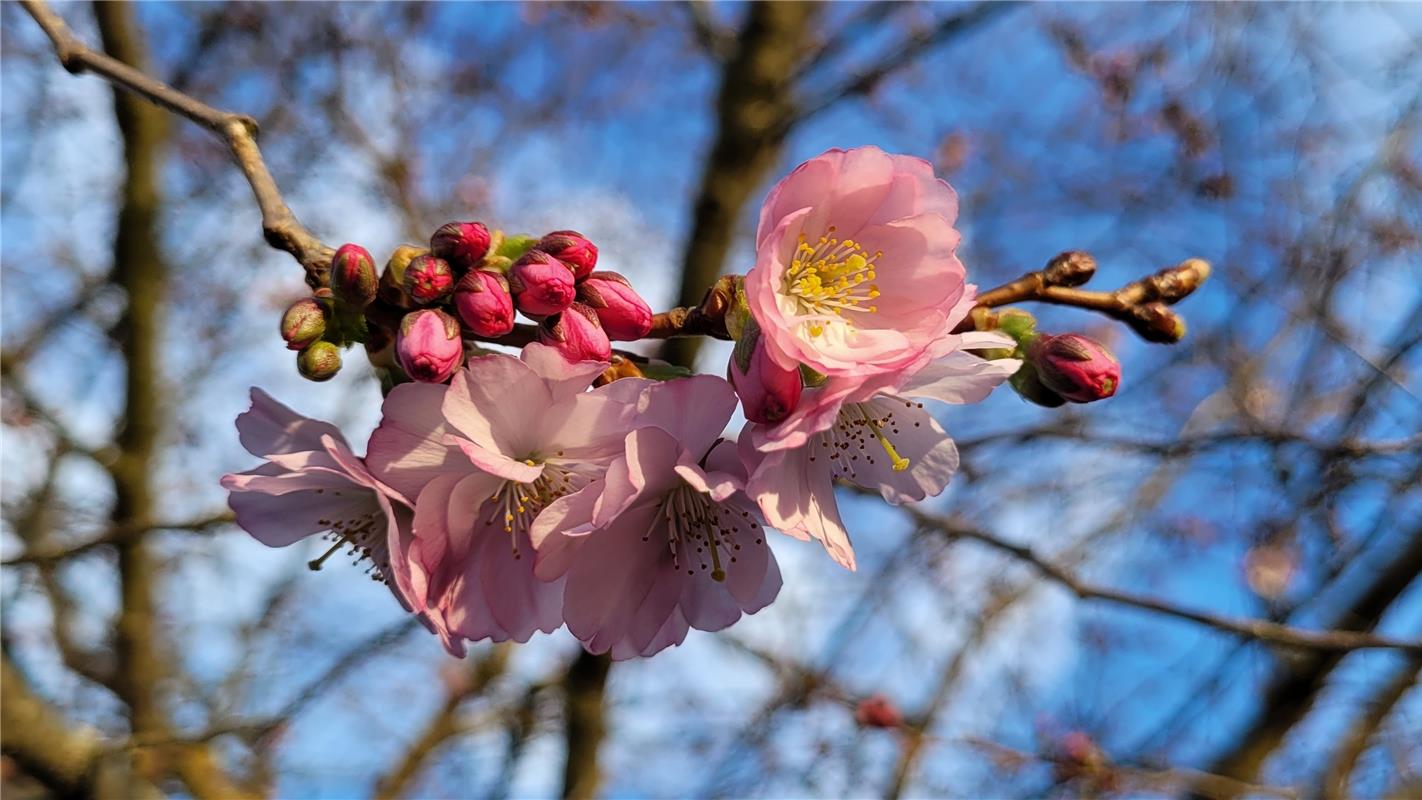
[116, 535]
[280, 226]
[43, 744]
[442, 726]
[1353, 742]
[1336, 641]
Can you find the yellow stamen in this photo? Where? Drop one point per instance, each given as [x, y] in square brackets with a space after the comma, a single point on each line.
[899, 462]
[831, 276]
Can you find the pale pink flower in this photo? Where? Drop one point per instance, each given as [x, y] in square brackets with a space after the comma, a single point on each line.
[483, 458]
[665, 541]
[856, 271]
[880, 437]
[313, 484]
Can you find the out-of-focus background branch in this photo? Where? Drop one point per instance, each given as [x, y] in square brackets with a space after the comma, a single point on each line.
[1207, 584]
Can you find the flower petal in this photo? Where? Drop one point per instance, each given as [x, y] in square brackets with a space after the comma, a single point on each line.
[563, 377]
[270, 428]
[916, 436]
[795, 492]
[959, 378]
[406, 451]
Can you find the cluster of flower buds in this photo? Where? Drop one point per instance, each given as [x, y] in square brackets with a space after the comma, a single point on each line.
[581, 312]
[466, 284]
[318, 326]
[1060, 369]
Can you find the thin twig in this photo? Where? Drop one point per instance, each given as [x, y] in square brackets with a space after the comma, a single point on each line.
[116, 535]
[1261, 630]
[280, 227]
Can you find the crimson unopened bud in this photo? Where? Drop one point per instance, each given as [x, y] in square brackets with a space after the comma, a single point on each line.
[1077, 367]
[541, 284]
[302, 323]
[877, 711]
[462, 244]
[484, 304]
[428, 279]
[319, 362]
[576, 334]
[573, 249]
[768, 391]
[428, 346]
[353, 278]
[624, 315]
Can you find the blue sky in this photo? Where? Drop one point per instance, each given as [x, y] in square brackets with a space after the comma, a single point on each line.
[625, 178]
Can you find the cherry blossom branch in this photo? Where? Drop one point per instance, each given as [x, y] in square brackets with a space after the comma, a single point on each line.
[280, 227]
[1261, 630]
[1140, 304]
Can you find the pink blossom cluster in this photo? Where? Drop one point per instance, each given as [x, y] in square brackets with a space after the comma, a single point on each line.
[519, 498]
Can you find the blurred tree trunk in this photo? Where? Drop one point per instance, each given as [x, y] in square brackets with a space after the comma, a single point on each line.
[138, 269]
[755, 99]
[584, 718]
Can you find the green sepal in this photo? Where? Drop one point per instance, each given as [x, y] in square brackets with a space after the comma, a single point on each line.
[345, 327]
[812, 378]
[513, 247]
[738, 316]
[1018, 324]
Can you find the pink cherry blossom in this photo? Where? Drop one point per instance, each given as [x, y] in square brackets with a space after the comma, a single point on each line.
[856, 272]
[666, 540]
[881, 437]
[507, 438]
[312, 483]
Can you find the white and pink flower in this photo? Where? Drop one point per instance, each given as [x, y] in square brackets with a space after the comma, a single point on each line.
[482, 458]
[665, 541]
[856, 269]
[881, 437]
[313, 483]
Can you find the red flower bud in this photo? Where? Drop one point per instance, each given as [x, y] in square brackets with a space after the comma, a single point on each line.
[319, 362]
[1076, 367]
[483, 301]
[462, 244]
[877, 711]
[428, 347]
[353, 278]
[576, 334]
[428, 279]
[541, 284]
[624, 315]
[768, 391]
[573, 249]
[302, 323]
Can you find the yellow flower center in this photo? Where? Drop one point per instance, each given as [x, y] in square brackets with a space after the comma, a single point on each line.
[831, 276]
[517, 504]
